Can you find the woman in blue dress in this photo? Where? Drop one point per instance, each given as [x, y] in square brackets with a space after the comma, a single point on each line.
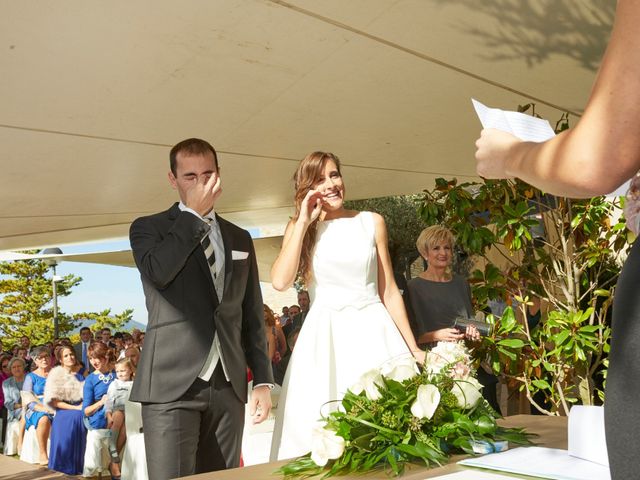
[11, 388]
[96, 385]
[37, 414]
[63, 392]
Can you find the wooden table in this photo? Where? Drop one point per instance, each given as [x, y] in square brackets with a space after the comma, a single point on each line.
[552, 433]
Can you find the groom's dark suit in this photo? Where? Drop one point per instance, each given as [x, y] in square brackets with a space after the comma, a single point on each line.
[184, 315]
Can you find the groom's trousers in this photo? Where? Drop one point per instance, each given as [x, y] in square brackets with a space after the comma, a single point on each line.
[200, 432]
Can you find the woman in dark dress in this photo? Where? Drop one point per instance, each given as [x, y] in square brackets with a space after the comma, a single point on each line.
[63, 393]
[437, 296]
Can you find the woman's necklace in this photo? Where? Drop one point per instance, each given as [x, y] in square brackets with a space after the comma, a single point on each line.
[105, 378]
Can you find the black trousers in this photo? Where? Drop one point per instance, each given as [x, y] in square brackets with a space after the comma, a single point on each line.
[201, 432]
[621, 412]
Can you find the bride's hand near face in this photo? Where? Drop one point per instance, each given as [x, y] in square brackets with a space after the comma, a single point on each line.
[285, 268]
[310, 207]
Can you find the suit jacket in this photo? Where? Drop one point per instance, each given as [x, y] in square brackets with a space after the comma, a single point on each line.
[184, 311]
[77, 347]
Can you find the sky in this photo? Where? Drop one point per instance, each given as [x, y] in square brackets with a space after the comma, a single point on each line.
[102, 286]
[119, 288]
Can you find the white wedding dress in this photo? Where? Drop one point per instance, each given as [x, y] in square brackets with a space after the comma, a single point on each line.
[347, 332]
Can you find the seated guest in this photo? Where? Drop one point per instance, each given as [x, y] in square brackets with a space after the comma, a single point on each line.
[11, 388]
[82, 348]
[117, 395]
[37, 414]
[276, 342]
[96, 386]
[127, 341]
[23, 353]
[284, 318]
[4, 374]
[4, 367]
[63, 393]
[133, 354]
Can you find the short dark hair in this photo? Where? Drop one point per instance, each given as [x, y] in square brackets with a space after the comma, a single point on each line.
[83, 329]
[191, 146]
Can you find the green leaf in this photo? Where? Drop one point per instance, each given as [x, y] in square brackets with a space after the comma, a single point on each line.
[541, 384]
[511, 342]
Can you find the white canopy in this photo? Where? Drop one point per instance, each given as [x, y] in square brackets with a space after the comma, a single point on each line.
[94, 94]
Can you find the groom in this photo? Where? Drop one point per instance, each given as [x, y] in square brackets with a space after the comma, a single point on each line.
[200, 280]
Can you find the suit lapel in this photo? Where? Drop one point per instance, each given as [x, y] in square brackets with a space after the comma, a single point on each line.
[198, 254]
[227, 240]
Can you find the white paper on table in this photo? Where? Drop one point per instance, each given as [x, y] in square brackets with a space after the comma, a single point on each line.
[541, 462]
[523, 126]
[469, 474]
[586, 434]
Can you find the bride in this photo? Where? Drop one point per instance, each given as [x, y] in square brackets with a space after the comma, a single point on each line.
[357, 319]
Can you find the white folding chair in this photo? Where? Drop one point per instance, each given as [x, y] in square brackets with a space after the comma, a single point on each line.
[134, 459]
[30, 450]
[96, 454]
[11, 438]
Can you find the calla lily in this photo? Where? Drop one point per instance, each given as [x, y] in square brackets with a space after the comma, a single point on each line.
[368, 383]
[325, 445]
[402, 369]
[467, 392]
[427, 400]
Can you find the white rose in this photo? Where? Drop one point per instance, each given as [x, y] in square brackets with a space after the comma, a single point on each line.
[369, 382]
[426, 402]
[402, 368]
[467, 392]
[325, 445]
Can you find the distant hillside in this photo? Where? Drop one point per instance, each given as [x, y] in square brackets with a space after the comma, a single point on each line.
[130, 325]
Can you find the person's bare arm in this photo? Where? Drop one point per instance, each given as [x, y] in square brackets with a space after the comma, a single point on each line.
[388, 290]
[285, 268]
[603, 150]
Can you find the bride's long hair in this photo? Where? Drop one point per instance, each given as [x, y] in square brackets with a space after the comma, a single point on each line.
[307, 175]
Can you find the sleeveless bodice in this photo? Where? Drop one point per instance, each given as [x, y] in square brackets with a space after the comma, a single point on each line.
[345, 263]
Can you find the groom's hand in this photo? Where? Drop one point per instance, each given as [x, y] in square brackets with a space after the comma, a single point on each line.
[202, 195]
[260, 404]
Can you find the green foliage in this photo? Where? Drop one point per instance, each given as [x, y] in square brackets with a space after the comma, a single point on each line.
[564, 252]
[26, 307]
[105, 319]
[403, 226]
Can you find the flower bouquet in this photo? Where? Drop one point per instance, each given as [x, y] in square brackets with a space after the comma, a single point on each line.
[403, 413]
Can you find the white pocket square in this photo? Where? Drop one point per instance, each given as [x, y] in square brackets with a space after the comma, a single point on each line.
[238, 255]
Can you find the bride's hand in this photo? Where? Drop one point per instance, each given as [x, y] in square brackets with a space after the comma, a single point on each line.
[420, 356]
[310, 207]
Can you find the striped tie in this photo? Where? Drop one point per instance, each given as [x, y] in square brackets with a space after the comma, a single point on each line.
[210, 253]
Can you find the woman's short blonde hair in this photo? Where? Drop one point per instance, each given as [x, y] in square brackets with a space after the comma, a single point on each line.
[431, 236]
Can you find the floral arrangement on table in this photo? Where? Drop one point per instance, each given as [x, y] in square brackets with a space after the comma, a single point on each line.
[403, 413]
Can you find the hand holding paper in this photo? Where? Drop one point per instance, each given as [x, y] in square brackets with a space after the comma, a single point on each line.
[525, 127]
[495, 148]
